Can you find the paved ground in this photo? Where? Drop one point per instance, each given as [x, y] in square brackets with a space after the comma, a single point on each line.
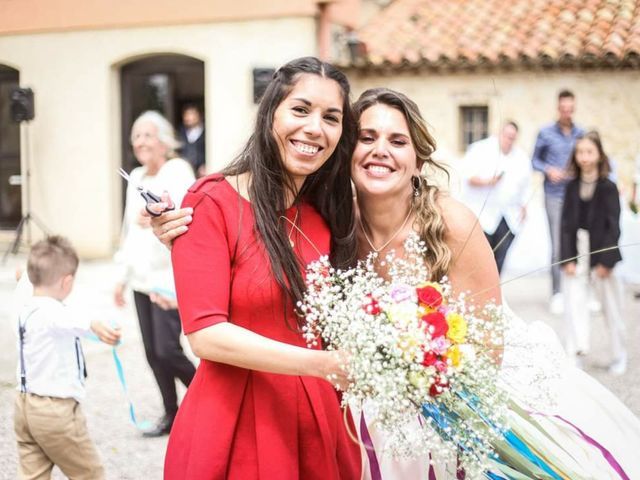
[128, 456]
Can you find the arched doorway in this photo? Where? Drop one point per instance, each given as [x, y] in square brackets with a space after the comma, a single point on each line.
[165, 83]
[10, 190]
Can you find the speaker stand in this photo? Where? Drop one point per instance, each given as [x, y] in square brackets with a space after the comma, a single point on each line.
[19, 232]
[27, 217]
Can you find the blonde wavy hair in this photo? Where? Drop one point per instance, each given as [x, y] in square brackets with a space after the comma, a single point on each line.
[429, 218]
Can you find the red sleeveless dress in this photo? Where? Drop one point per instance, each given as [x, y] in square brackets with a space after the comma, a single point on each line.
[244, 424]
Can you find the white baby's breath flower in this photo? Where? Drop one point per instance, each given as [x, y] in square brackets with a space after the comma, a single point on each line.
[454, 391]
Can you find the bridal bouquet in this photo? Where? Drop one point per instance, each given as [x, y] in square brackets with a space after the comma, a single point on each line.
[417, 354]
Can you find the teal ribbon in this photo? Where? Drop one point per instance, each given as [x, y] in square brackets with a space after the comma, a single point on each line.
[140, 425]
[443, 418]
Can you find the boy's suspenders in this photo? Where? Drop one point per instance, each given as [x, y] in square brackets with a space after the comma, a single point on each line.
[82, 365]
[80, 362]
[21, 332]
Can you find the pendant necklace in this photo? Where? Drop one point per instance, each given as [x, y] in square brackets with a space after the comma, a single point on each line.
[378, 250]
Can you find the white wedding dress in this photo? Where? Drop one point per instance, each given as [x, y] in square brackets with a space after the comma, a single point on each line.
[590, 432]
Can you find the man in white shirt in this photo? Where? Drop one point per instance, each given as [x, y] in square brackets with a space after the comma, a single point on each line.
[496, 177]
[49, 424]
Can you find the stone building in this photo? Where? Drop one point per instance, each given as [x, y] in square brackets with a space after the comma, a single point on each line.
[472, 64]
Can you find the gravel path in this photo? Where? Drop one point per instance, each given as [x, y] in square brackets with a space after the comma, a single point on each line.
[127, 455]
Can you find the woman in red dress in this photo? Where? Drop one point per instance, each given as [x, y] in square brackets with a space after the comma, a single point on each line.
[259, 406]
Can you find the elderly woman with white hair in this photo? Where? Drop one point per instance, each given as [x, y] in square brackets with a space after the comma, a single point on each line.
[146, 265]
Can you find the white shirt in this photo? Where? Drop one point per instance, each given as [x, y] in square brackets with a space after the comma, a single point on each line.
[193, 133]
[484, 159]
[145, 262]
[53, 364]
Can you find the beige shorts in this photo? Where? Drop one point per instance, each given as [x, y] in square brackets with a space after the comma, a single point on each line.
[53, 431]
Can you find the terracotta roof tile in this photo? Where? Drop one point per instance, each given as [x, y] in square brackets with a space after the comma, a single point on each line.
[475, 33]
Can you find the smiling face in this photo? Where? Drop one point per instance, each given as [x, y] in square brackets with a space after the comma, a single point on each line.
[147, 147]
[307, 125]
[507, 138]
[384, 159]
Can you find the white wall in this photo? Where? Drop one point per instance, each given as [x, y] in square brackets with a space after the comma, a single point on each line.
[75, 136]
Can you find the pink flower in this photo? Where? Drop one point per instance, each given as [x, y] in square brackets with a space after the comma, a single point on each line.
[441, 366]
[399, 293]
[440, 345]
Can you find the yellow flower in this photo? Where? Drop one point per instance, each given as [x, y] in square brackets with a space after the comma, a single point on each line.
[457, 327]
[418, 380]
[435, 285]
[454, 355]
[409, 346]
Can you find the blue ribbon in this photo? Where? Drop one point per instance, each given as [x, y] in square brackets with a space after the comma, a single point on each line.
[494, 476]
[144, 424]
[443, 417]
[526, 452]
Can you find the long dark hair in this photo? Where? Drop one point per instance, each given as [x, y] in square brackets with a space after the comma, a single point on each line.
[328, 189]
[429, 218]
[604, 167]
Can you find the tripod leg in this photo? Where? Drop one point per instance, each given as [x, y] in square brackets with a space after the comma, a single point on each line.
[39, 223]
[13, 248]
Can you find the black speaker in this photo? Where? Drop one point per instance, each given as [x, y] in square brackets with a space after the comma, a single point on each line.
[21, 104]
[261, 79]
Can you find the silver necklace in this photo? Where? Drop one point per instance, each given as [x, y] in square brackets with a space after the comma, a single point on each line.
[378, 250]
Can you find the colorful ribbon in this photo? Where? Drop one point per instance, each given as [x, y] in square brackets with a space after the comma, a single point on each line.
[374, 466]
[144, 424]
[591, 441]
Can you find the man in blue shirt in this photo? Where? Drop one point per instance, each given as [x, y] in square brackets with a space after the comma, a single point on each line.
[550, 156]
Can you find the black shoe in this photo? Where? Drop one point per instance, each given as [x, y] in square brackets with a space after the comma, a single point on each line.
[163, 427]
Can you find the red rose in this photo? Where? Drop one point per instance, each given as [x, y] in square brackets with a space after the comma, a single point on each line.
[436, 323]
[441, 366]
[429, 296]
[439, 386]
[372, 307]
[429, 358]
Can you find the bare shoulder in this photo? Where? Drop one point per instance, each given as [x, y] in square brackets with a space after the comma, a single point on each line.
[459, 219]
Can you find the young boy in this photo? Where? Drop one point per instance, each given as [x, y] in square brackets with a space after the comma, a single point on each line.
[49, 424]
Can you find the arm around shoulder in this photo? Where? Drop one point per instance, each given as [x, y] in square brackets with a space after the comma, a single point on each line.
[202, 271]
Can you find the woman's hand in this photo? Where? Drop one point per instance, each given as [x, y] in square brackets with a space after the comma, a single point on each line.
[118, 295]
[569, 269]
[602, 271]
[164, 302]
[170, 224]
[334, 369]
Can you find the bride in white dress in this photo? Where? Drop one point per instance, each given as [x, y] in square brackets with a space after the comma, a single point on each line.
[588, 430]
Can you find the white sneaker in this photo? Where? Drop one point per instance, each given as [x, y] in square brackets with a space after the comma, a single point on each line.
[556, 306]
[619, 365]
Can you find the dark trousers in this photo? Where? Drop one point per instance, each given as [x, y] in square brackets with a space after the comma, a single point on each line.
[500, 241]
[161, 337]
